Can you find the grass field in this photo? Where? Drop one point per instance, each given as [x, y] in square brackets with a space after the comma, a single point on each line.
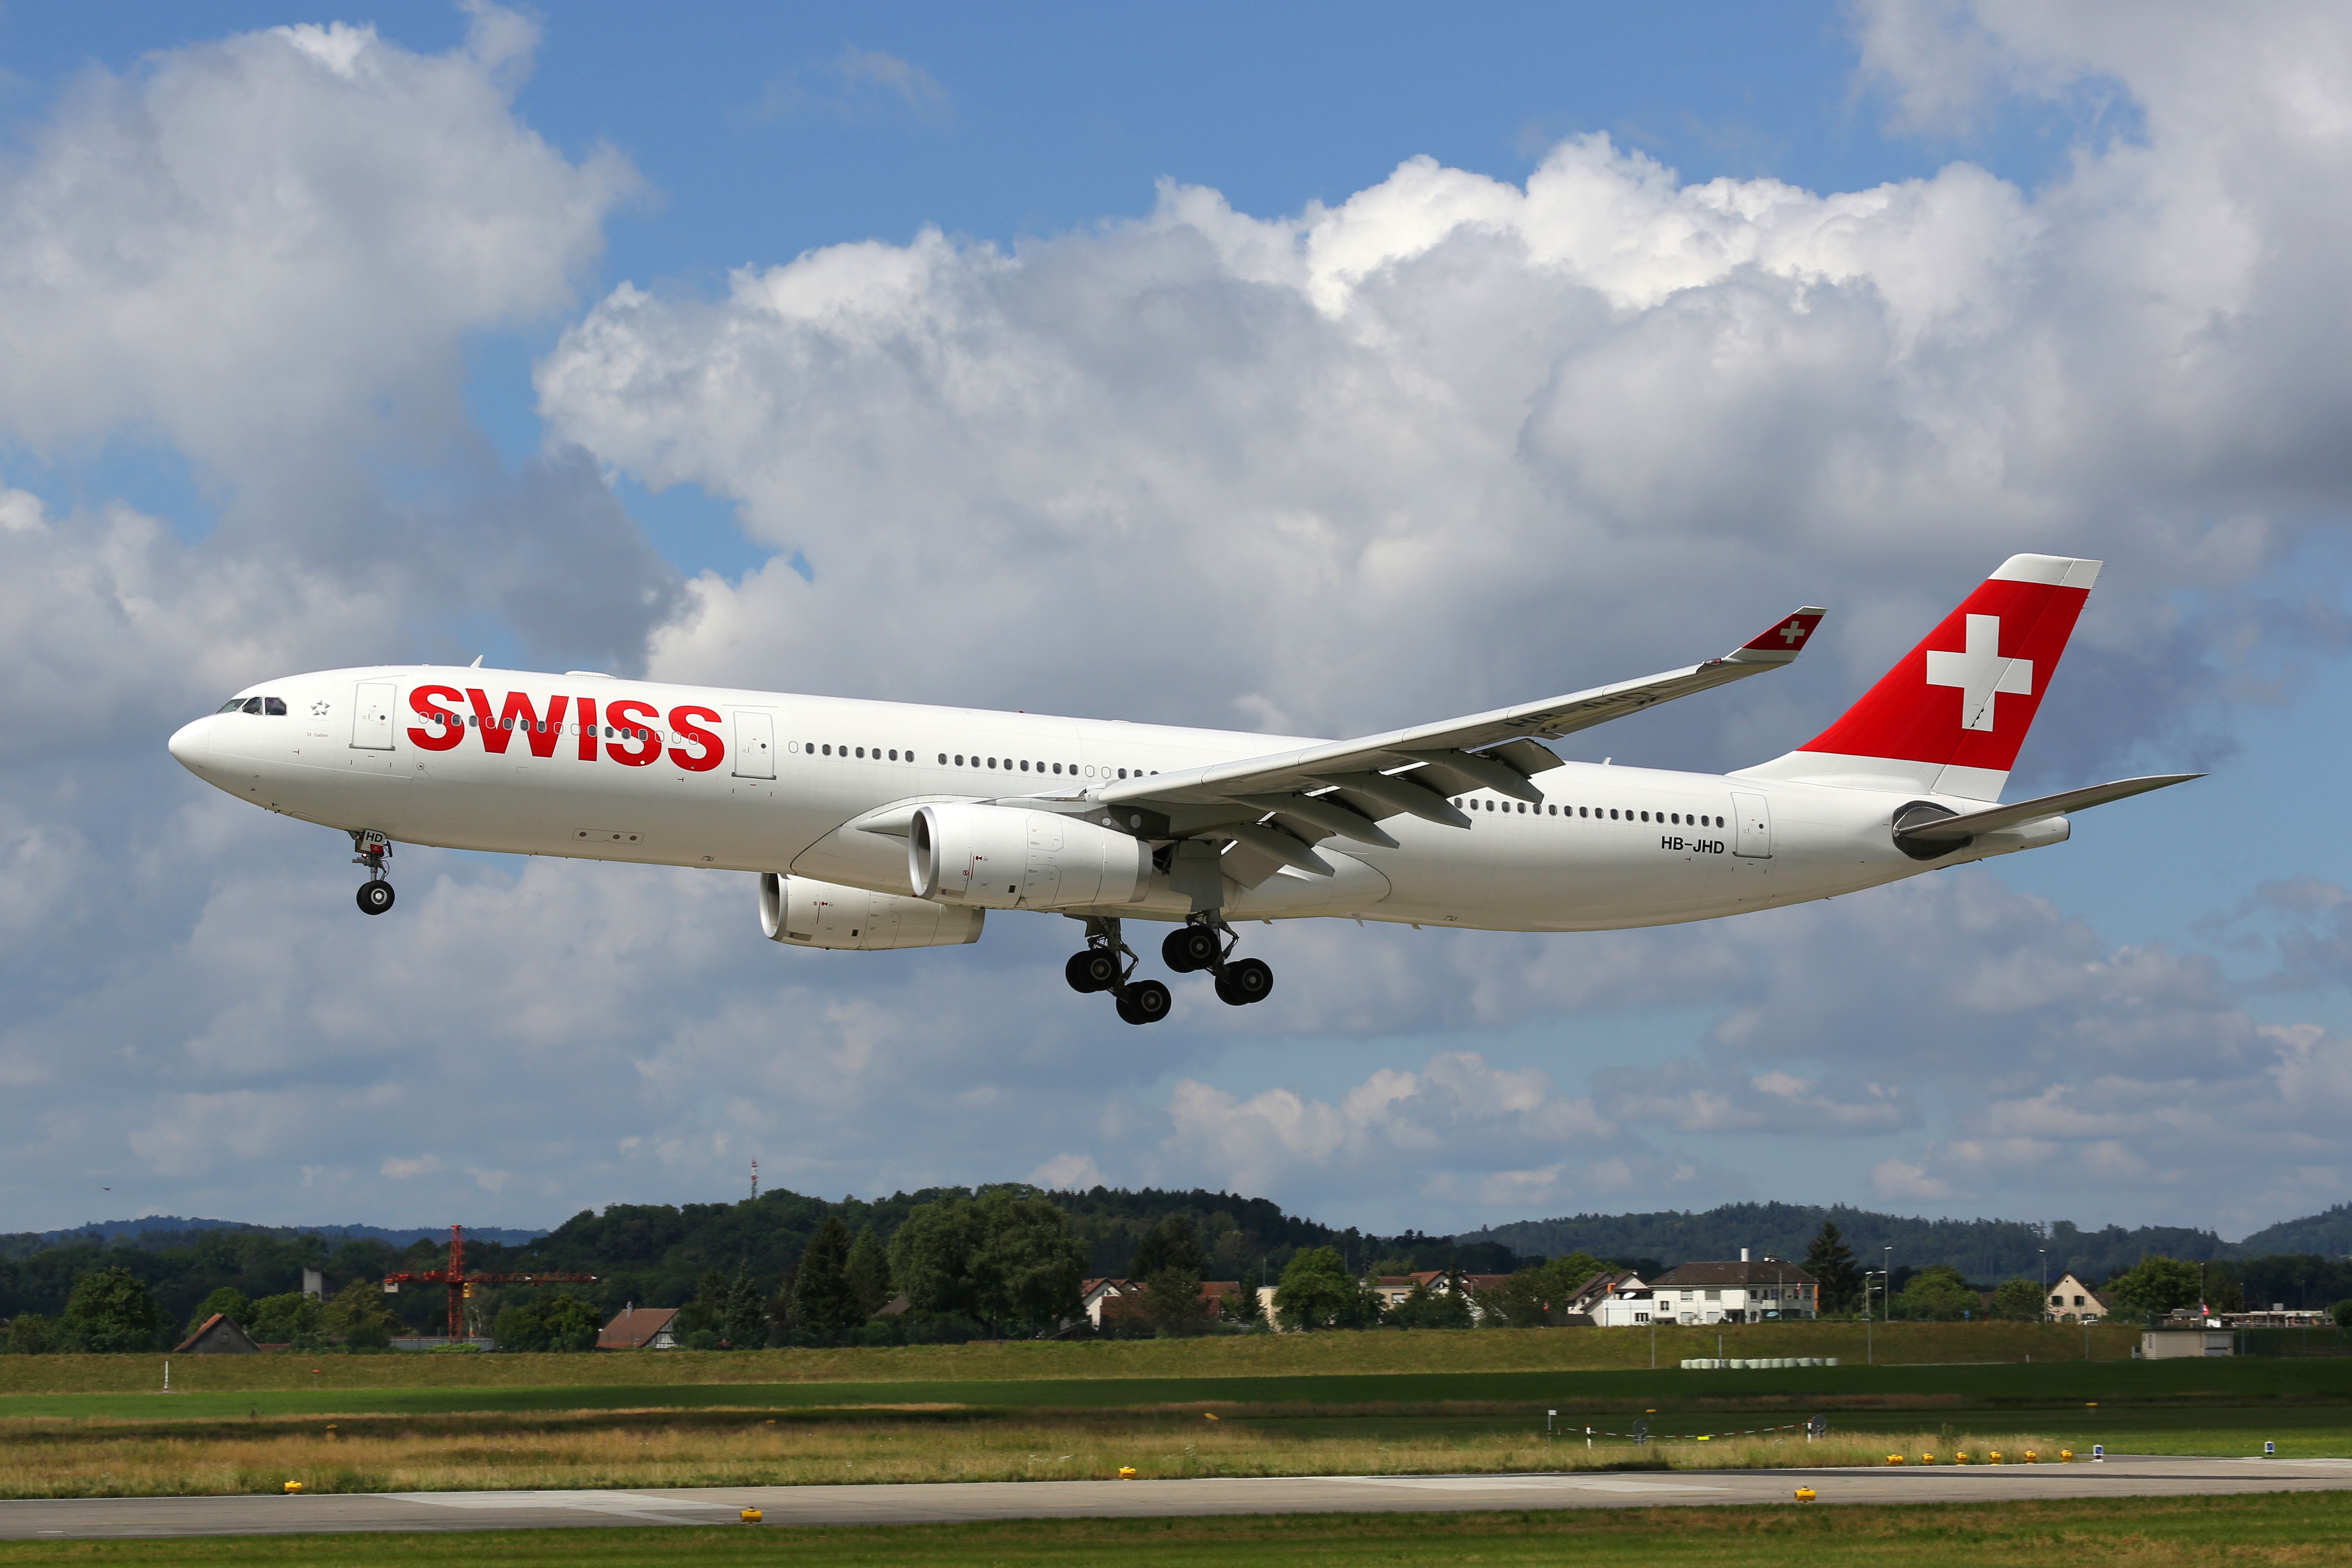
[969, 1412]
[2288, 1532]
[1254, 1355]
[470, 1454]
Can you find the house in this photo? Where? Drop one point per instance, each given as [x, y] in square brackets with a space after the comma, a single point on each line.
[1122, 1298]
[216, 1336]
[2071, 1300]
[1742, 1292]
[640, 1329]
[1613, 1299]
[1393, 1289]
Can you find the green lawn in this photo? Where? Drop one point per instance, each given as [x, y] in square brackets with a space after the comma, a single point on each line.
[1254, 1355]
[2124, 1532]
[1857, 1389]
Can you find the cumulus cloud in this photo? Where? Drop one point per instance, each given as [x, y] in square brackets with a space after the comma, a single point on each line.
[1294, 445]
[1450, 441]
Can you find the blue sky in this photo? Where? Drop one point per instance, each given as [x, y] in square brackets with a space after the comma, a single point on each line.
[337, 346]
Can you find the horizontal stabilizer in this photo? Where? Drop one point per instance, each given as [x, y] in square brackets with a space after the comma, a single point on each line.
[1959, 829]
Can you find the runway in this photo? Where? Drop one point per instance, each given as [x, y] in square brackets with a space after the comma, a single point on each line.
[2120, 1476]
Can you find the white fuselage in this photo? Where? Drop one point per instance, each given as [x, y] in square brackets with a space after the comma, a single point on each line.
[775, 783]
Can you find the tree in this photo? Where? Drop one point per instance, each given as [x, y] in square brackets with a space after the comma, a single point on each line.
[2019, 1300]
[869, 1274]
[29, 1334]
[2155, 1284]
[744, 1310]
[109, 1310]
[1937, 1292]
[291, 1319]
[228, 1301]
[1534, 1296]
[1315, 1291]
[558, 1323]
[359, 1317]
[2341, 1312]
[826, 1309]
[1169, 1263]
[1423, 1308]
[1831, 1261]
[1028, 1266]
[1007, 1257]
[931, 1257]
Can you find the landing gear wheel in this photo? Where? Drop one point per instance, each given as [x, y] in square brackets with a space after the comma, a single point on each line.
[1248, 981]
[1097, 969]
[1192, 947]
[374, 898]
[1146, 1002]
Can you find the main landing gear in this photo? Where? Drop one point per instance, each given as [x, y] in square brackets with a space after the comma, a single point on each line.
[1205, 942]
[373, 849]
[1108, 964]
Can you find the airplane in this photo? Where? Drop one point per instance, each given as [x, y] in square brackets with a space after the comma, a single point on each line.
[874, 826]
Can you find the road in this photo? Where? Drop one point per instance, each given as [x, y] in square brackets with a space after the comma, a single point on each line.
[2120, 1476]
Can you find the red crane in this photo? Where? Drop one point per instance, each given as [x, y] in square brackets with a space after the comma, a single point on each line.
[461, 1284]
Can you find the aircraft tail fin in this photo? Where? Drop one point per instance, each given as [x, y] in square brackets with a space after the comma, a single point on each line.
[1950, 717]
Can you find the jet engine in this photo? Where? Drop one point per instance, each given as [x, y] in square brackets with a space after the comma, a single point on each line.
[1001, 857]
[802, 912]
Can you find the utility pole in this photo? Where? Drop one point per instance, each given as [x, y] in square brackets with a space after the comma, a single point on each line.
[1888, 1299]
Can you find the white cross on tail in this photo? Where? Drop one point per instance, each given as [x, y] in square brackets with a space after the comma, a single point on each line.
[1980, 672]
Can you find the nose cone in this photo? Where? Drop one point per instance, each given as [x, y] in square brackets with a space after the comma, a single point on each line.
[191, 744]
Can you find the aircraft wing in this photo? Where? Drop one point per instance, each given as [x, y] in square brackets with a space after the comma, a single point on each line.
[1346, 787]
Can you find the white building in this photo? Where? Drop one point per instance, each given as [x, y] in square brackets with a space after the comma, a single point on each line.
[1741, 1293]
[2070, 1298]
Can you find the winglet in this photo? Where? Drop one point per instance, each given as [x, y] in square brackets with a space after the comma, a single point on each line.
[1783, 641]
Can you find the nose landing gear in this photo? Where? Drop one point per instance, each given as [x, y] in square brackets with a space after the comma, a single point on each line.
[1205, 942]
[372, 849]
[1108, 964]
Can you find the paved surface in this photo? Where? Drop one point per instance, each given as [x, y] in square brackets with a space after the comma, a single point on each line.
[2120, 1476]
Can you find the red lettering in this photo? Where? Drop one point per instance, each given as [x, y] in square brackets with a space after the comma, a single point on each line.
[539, 736]
[713, 750]
[494, 740]
[442, 728]
[627, 715]
[586, 706]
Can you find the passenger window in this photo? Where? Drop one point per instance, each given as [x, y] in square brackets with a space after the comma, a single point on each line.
[1122, 773]
[1612, 814]
[1523, 808]
[1057, 767]
[1024, 764]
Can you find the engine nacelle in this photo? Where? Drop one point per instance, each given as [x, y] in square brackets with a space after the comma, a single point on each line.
[1001, 857]
[802, 912]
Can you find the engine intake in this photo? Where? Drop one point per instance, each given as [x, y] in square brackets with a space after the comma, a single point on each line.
[801, 911]
[1003, 858]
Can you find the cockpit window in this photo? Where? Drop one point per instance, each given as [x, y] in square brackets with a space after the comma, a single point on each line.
[253, 704]
[231, 706]
[274, 705]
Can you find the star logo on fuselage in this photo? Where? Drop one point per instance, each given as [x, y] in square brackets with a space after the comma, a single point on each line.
[1980, 672]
